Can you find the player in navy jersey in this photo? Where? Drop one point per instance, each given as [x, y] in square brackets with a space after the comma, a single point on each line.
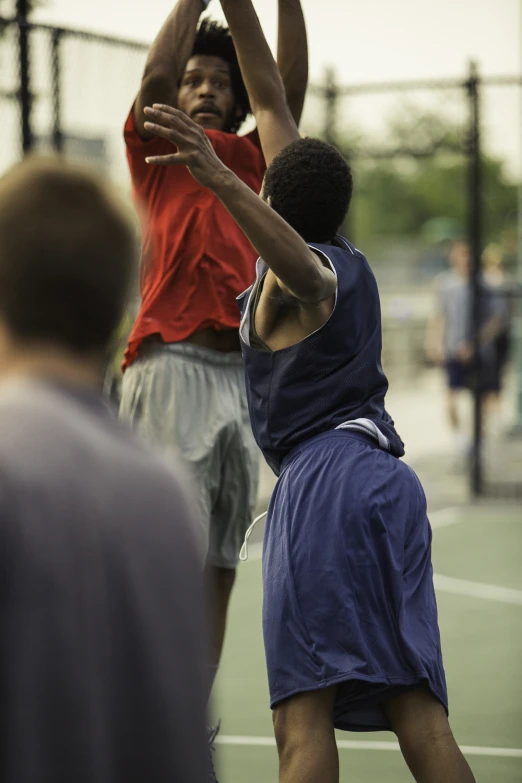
[349, 615]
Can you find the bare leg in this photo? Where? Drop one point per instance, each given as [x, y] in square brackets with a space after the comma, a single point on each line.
[426, 739]
[220, 582]
[453, 411]
[491, 413]
[304, 731]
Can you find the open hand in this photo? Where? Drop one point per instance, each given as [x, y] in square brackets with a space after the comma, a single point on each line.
[194, 149]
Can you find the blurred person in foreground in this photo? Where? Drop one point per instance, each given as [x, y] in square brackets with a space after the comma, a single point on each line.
[349, 611]
[183, 385]
[102, 660]
[449, 338]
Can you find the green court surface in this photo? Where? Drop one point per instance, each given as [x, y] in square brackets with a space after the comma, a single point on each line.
[477, 556]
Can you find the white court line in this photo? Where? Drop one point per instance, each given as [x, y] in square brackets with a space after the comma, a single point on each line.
[501, 595]
[446, 517]
[468, 750]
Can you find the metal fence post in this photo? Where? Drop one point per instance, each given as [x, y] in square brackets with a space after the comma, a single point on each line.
[331, 94]
[57, 133]
[517, 325]
[22, 10]
[474, 232]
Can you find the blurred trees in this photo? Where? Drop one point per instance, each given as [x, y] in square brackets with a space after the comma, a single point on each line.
[399, 195]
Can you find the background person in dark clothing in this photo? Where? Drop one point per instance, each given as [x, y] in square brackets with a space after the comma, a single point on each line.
[102, 660]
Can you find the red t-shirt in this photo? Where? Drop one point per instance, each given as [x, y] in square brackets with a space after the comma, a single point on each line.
[195, 258]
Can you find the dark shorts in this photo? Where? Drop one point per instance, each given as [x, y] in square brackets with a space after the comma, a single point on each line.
[460, 376]
[348, 581]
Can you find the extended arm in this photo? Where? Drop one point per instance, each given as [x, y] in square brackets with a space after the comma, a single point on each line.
[297, 268]
[167, 59]
[262, 79]
[292, 55]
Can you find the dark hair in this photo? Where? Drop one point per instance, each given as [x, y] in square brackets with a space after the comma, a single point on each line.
[310, 185]
[67, 257]
[214, 40]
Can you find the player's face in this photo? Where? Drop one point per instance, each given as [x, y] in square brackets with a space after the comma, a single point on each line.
[206, 94]
[460, 258]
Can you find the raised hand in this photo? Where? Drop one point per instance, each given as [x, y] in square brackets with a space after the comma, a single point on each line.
[194, 150]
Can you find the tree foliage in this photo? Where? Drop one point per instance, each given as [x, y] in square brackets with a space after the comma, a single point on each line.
[397, 196]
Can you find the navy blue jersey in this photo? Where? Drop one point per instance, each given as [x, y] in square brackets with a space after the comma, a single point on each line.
[332, 376]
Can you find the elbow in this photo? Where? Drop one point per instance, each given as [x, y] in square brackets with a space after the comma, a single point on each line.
[319, 287]
[296, 81]
[158, 86]
[159, 77]
[270, 96]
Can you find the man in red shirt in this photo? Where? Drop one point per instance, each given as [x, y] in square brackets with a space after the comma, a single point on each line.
[183, 384]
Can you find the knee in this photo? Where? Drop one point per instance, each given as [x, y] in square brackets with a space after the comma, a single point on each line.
[226, 578]
[425, 738]
[221, 580]
[287, 732]
[293, 727]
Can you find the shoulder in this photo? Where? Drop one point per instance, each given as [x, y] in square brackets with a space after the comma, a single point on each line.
[237, 150]
[49, 431]
[138, 146]
[347, 261]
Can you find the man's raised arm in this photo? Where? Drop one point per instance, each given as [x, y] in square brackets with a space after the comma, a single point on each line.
[297, 268]
[292, 55]
[167, 59]
[262, 79]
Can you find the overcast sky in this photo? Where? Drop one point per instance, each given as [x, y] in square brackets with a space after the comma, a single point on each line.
[367, 40]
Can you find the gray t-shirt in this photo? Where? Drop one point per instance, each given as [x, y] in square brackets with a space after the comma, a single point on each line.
[454, 303]
[102, 656]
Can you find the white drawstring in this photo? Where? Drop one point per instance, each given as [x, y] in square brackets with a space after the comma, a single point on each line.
[243, 555]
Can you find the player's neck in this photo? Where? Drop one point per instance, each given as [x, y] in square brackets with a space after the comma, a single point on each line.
[51, 365]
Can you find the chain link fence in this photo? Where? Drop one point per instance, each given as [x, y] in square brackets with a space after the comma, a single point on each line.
[81, 87]
[421, 175]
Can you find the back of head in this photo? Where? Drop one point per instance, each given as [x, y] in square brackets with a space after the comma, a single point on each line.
[310, 185]
[67, 256]
[215, 40]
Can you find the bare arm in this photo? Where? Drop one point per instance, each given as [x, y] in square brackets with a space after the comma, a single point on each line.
[292, 55]
[298, 270]
[262, 79]
[167, 59]
[434, 338]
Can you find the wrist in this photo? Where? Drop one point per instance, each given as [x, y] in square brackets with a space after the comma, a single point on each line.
[223, 181]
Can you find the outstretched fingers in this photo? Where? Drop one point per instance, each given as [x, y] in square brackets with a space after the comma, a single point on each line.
[167, 160]
[170, 134]
[176, 114]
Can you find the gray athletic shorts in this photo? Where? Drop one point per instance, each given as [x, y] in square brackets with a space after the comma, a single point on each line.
[191, 401]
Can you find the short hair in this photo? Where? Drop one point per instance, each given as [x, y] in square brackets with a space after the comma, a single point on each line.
[310, 185]
[215, 40]
[67, 257]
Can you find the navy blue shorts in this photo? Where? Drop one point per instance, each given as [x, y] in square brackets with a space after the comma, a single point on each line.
[348, 580]
[460, 377]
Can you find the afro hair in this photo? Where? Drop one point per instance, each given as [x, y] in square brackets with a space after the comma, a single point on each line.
[310, 185]
[214, 40]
